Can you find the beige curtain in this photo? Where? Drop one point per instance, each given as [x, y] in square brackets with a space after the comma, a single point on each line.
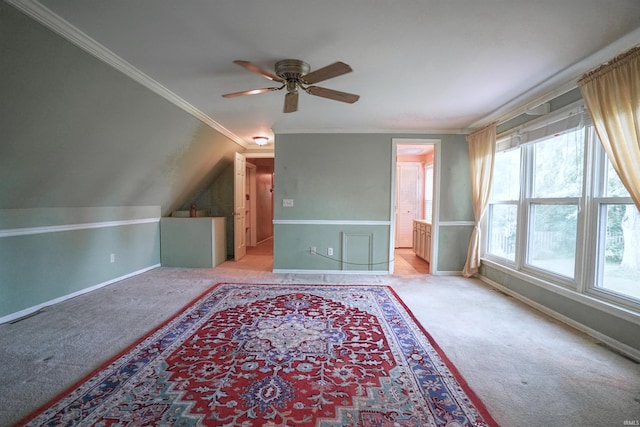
[482, 152]
[612, 95]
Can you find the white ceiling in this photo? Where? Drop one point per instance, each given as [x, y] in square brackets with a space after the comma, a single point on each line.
[419, 65]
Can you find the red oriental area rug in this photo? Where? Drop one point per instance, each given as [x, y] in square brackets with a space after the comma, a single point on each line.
[278, 356]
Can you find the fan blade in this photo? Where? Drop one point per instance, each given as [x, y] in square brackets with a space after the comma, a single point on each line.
[291, 102]
[255, 69]
[333, 94]
[328, 72]
[251, 92]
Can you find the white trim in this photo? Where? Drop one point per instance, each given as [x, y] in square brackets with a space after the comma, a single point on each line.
[392, 205]
[33, 309]
[72, 227]
[621, 347]
[399, 131]
[296, 271]
[45, 16]
[449, 273]
[609, 308]
[568, 110]
[327, 222]
[258, 155]
[435, 217]
[457, 223]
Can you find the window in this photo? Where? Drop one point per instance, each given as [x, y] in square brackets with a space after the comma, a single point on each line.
[559, 212]
[553, 205]
[552, 238]
[503, 205]
[618, 245]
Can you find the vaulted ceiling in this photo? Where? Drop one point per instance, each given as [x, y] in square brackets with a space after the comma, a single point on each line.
[418, 65]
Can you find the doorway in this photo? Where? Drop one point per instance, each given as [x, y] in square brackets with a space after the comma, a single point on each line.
[260, 200]
[414, 198]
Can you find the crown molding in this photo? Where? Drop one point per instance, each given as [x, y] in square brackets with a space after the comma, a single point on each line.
[46, 17]
[417, 131]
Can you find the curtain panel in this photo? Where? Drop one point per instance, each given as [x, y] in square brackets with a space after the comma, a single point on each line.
[612, 95]
[482, 152]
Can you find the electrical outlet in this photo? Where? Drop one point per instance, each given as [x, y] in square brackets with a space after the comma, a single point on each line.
[287, 203]
[312, 250]
[112, 258]
[329, 251]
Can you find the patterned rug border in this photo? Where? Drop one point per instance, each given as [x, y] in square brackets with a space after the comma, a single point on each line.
[473, 397]
[452, 368]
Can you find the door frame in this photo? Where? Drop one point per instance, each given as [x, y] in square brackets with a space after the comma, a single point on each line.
[250, 184]
[239, 207]
[433, 265]
[262, 155]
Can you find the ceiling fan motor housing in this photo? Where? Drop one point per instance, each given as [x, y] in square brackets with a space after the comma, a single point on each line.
[291, 69]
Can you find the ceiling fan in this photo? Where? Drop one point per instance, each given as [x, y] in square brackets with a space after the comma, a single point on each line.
[294, 74]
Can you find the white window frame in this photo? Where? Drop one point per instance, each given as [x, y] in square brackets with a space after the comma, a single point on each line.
[590, 226]
[596, 234]
[485, 235]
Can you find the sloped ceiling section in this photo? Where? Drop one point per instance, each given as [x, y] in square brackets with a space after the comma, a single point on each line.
[77, 133]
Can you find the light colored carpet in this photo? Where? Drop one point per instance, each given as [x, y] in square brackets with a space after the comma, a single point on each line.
[528, 369]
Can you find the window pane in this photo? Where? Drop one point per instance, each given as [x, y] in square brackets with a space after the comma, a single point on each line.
[558, 165]
[552, 238]
[621, 266]
[502, 231]
[614, 185]
[506, 176]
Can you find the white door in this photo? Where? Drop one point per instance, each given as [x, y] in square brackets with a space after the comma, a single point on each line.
[239, 211]
[408, 205]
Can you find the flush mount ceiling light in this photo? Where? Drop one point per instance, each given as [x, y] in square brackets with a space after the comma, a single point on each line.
[260, 140]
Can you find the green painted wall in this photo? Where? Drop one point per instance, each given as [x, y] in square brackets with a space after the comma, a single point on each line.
[46, 254]
[78, 133]
[455, 210]
[455, 180]
[347, 177]
[329, 177]
[292, 243]
[82, 143]
[220, 198]
[333, 176]
[453, 244]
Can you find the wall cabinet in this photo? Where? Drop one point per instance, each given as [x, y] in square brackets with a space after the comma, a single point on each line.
[192, 242]
[422, 239]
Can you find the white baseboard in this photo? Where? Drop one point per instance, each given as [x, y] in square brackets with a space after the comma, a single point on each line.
[447, 273]
[296, 271]
[35, 308]
[628, 351]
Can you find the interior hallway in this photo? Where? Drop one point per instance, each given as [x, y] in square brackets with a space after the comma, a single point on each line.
[527, 368]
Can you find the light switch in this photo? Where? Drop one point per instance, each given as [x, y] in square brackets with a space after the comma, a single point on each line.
[287, 203]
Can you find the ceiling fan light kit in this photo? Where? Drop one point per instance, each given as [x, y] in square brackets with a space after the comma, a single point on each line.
[294, 74]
